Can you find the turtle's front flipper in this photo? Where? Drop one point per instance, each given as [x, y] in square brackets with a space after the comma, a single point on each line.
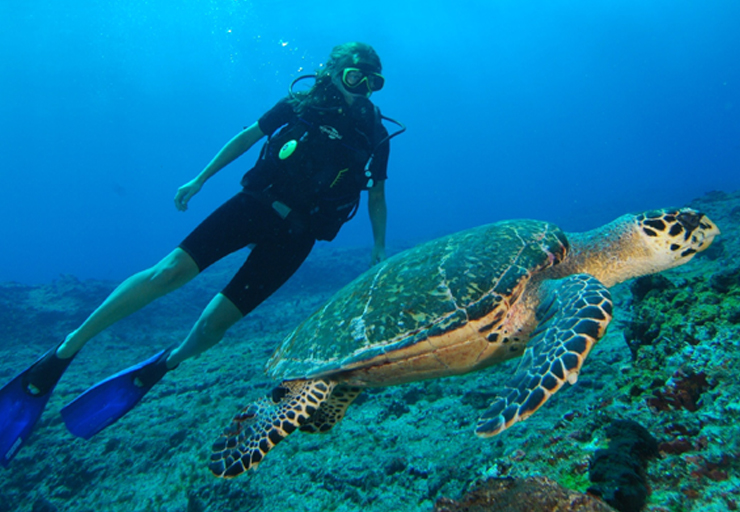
[331, 411]
[262, 425]
[573, 314]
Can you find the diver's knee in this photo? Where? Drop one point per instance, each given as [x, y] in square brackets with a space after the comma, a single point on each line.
[174, 270]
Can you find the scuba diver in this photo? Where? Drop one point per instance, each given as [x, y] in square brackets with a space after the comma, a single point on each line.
[324, 146]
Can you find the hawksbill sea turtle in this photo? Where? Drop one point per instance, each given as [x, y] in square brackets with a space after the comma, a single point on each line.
[458, 304]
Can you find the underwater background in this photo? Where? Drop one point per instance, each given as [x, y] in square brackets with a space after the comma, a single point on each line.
[573, 112]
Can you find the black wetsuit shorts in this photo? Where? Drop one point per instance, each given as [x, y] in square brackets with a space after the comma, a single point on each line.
[243, 220]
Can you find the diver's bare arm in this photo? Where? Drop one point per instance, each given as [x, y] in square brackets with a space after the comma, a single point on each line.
[230, 152]
[378, 216]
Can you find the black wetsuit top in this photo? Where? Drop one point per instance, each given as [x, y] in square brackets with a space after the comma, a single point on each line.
[282, 242]
[318, 162]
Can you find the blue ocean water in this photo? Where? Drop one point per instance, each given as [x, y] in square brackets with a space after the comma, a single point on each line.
[572, 111]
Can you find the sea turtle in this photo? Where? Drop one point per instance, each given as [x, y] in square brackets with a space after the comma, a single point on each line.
[458, 304]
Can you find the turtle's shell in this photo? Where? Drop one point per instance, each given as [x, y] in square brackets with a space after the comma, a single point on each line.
[432, 289]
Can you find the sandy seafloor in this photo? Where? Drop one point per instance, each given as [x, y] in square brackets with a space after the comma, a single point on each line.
[399, 448]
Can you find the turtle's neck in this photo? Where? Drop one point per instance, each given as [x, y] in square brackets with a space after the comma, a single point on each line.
[612, 253]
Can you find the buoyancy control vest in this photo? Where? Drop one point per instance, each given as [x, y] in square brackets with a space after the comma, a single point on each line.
[317, 165]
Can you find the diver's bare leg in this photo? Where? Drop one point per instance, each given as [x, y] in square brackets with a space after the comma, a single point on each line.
[216, 319]
[173, 271]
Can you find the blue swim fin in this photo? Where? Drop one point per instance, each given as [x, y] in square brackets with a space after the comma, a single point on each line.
[20, 409]
[107, 401]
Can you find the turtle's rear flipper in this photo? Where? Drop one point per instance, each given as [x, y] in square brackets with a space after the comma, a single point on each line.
[262, 425]
[573, 314]
[332, 411]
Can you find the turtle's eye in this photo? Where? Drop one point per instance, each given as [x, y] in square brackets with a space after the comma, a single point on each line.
[690, 220]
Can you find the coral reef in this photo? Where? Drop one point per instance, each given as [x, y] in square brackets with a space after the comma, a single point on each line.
[401, 448]
[522, 495]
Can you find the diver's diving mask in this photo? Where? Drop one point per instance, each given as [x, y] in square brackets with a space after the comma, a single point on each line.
[355, 80]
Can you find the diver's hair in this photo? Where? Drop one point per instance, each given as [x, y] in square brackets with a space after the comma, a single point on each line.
[323, 92]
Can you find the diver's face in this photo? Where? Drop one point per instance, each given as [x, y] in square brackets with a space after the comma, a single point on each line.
[362, 79]
[348, 96]
[358, 81]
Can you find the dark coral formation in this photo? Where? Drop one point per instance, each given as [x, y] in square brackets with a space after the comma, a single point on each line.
[618, 472]
[684, 390]
[522, 495]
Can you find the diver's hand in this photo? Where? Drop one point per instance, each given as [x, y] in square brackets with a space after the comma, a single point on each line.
[185, 193]
[377, 255]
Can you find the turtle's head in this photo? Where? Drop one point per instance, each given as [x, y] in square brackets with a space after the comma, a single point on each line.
[674, 236]
[635, 245]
